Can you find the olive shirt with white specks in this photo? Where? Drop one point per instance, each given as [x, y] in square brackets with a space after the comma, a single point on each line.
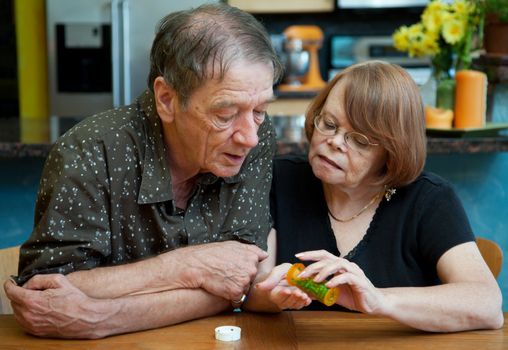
[105, 197]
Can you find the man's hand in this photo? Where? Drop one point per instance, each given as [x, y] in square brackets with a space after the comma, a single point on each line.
[225, 269]
[50, 306]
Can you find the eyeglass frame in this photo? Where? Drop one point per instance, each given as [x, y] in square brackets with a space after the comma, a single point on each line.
[346, 134]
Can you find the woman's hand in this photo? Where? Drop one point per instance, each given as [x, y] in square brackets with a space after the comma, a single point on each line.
[280, 293]
[356, 291]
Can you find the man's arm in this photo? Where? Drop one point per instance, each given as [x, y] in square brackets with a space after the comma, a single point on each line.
[56, 308]
[189, 280]
[225, 269]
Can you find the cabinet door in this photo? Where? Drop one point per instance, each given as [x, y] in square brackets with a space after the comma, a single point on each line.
[283, 6]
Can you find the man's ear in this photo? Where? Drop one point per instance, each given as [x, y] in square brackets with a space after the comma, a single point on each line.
[165, 100]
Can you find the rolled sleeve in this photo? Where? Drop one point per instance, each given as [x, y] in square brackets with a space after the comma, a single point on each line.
[71, 225]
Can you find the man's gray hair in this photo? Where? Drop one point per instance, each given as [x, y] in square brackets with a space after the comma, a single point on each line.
[192, 46]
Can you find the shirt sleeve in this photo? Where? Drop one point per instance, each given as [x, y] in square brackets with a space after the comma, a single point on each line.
[443, 222]
[71, 225]
[249, 216]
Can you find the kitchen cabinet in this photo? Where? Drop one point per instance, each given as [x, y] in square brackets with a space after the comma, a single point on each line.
[288, 107]
[283, 6]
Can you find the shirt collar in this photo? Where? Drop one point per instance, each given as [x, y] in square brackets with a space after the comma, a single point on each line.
[155, 178]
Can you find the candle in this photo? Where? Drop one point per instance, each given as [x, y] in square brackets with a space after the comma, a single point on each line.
[438, 118]
[470, 99]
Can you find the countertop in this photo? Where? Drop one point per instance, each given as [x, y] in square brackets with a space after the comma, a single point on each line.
[31, 140]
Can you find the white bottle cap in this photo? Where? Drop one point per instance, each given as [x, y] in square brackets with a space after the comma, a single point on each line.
[228, 333]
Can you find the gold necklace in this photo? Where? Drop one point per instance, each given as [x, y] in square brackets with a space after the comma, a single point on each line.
[372, 201]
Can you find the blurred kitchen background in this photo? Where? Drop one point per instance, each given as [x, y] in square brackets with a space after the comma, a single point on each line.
[92, 55]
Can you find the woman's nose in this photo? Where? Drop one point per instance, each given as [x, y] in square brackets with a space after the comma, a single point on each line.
[338, 141]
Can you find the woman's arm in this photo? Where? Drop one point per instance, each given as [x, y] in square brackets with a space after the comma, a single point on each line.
[469, 297]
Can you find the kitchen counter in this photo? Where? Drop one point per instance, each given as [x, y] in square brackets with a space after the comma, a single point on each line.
[435, 146]
[35, 142]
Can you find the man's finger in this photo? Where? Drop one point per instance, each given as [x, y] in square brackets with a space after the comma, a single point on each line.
[42, 282]
[258, 251]
[15, 293]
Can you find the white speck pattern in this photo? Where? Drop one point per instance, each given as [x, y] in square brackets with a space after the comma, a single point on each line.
[105, 196]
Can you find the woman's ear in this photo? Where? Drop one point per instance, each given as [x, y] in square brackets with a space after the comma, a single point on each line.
[165, 100]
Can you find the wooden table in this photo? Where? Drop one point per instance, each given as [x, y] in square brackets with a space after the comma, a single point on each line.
[288, 330]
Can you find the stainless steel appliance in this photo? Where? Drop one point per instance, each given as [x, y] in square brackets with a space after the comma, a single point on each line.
[302, 43]
[98, 52]
[296, 61]
[347, 50]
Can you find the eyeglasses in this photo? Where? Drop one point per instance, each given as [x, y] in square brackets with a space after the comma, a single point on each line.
[356, 141]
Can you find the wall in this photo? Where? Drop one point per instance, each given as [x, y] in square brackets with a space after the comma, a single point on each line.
[480, 181]
[19, 179]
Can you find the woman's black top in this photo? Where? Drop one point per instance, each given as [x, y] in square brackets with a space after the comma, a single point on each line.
[404, 242]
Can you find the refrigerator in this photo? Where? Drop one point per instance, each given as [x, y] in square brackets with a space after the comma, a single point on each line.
[98, 53]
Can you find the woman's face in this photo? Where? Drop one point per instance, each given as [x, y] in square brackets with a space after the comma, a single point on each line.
[333, 161]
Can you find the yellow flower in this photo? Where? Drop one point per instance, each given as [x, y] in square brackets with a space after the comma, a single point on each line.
[401, 39]
[430, 44]
[445, 33]
[453, 30]
[433, 15]
[461, 8]
[442, 32]
[435, 6]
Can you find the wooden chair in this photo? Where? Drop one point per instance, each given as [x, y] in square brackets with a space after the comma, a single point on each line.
[9, 258]
[492, 254]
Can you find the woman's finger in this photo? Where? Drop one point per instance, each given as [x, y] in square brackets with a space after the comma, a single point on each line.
[315, 268]
[348, 278]
[274, 278]
[315, 255]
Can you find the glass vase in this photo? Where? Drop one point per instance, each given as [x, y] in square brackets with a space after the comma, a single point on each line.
[445, 93]
[439, 90]
[428, 91]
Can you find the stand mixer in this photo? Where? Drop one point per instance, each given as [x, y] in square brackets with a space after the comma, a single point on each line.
[302, 63]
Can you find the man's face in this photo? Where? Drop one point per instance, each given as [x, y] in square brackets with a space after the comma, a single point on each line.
[218, 126]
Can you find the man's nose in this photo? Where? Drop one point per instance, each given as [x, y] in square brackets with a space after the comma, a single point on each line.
[246, 132]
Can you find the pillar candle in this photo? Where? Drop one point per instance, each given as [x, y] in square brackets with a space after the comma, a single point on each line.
[470, 99]
[438, 118]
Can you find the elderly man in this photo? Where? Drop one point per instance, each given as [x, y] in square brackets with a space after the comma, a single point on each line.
[157, 212]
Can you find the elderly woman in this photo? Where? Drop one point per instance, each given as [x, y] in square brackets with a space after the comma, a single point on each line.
[395, 240]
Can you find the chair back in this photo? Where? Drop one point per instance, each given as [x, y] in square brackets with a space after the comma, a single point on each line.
[9, 258]
[491, 253]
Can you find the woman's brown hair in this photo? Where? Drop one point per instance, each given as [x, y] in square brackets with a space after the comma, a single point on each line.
[382, 101]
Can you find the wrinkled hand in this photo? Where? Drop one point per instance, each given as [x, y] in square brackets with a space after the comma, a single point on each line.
[282, 294]
[50, 306]
[356, 291]
[225, 269]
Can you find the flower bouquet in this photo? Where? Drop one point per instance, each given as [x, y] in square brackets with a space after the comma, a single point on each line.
[445, 34]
